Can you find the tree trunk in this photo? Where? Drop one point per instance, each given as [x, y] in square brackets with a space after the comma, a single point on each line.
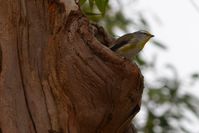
[56, 76]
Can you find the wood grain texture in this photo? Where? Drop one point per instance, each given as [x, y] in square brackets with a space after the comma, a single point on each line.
[58, 76]
[1, 58]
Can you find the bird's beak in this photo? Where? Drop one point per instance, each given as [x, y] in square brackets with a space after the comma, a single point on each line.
[152, 35]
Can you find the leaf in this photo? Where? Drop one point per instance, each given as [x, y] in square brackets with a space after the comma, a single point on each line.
[143, 20]
[160, 45]
[101, 5]
[140, 61]
[192, 108]
[81, 2]
[91, 2]
[195, 76]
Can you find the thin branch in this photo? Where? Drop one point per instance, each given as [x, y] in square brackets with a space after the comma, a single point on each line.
[195, 5]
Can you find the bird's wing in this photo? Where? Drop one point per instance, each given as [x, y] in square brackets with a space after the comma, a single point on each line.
[118, 45]
[121, 42]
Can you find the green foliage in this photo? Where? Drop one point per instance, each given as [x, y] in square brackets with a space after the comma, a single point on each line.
[81, 2]
[195, 76]
[163, 100]
[165, 104]
[100, 4]
[159, 44]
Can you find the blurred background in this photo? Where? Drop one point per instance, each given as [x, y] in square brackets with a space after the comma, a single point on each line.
[169, 62]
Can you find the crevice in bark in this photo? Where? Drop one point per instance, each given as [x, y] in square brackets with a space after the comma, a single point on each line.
[43, 92]
[56, 106]
[105, 120]
[53, 131]
[91, 68]
[24, 26]
[128, 120]
[24, 88]
[1, 59]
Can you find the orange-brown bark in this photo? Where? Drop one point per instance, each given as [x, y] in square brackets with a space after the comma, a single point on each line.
[57, 77]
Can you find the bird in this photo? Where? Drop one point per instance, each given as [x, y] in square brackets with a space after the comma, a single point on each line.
[129, 45]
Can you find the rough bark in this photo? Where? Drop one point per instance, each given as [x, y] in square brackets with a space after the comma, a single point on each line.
[57, 76]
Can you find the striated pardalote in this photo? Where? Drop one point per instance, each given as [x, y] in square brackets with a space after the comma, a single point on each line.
[129, 45]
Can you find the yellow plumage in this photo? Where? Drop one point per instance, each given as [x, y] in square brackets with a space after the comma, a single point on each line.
[131, 44]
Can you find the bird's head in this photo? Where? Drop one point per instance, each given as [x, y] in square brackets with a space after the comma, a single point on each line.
[143, 36]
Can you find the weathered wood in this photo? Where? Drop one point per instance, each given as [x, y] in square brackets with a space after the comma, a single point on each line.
[57, 77]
